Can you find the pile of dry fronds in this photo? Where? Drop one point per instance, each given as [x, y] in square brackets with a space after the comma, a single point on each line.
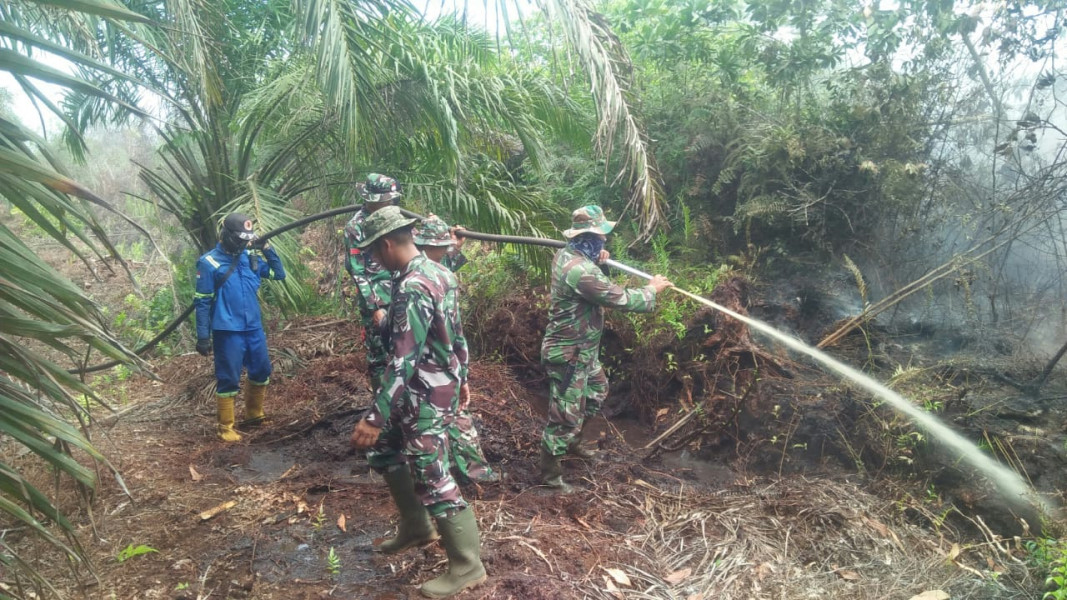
[798, 538]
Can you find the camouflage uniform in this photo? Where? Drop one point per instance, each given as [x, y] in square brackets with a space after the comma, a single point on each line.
[454, 261]
[420, 388]
[466, 451]
[375, 291]
[571, 347]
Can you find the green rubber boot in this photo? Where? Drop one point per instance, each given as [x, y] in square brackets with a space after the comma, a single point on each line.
[552, 472]
[459, 537]
[415, 527]
[575, 448]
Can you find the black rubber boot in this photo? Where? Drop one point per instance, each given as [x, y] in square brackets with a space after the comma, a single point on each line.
[575, 448]
[552, 472]
[415, 527]
[460, 539]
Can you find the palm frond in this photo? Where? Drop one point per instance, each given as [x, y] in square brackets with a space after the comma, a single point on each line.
[604, 59]
[39, 309]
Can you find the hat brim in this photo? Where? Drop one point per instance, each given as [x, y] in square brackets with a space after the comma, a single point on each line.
[400, 225]
[435, 243]
[381, 198]
[605, 228]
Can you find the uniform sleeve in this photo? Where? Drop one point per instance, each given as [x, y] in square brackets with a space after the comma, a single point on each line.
[350, 265]
[410, 314]
[595, 287]
[273, 267]
[454, 261]
[204, 296]
[355, 265]
[459, 346]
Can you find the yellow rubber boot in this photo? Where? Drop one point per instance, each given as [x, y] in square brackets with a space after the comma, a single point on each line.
[254, 397]
[225, 427]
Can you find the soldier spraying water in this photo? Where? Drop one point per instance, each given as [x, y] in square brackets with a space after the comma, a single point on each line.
[570, 350]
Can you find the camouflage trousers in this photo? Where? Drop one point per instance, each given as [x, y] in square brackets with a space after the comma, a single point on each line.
[416, 436]
[465, 450]
[578, 391]
[377, 350]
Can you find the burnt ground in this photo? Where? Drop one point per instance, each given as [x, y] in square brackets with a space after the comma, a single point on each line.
[728, 470]
[694, 523]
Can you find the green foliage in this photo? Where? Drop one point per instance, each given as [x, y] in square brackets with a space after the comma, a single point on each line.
[333, 563]
[1048, 557]
[319, 519]
[132, 551]
[494, 274]
[140, 320]
[673, 312]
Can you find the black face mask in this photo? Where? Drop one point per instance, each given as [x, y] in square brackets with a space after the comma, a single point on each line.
[235, 235]
[231, 242]
[589, 244]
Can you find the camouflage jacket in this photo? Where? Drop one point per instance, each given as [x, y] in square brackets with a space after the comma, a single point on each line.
[373, 280]
[429, 352]
[454, 261]
[580, 291]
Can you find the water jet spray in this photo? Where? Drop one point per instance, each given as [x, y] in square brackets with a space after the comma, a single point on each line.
[1009, 483]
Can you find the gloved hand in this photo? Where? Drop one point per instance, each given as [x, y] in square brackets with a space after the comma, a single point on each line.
[203, 347]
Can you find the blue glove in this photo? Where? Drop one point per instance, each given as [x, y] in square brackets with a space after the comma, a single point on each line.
[203, 347]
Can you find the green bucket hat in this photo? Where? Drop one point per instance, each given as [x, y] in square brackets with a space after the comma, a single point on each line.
[433, 231]
[382, 222]
[589, 219]
[378, 189]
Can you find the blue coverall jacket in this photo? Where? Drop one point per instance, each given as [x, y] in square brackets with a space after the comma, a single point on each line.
[237, 323]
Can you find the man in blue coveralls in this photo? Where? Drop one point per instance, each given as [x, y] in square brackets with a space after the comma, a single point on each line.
[227, 282]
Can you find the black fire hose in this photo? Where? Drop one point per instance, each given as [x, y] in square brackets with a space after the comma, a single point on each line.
[474, 235]
[145, 348]
[189, 311]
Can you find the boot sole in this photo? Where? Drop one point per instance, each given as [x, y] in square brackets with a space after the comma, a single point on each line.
[408, 546]
[554, 490]
[466, 586]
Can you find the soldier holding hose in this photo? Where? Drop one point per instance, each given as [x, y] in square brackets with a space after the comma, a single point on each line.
[571, 347]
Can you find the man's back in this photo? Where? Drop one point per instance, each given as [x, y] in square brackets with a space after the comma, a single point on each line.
[427, 330]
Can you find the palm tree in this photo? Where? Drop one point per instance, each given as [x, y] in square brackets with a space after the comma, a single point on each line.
[247, 128]
[345, 35]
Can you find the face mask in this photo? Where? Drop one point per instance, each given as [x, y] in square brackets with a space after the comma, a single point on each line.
[589, 244]
[232, 242]
[236, 233]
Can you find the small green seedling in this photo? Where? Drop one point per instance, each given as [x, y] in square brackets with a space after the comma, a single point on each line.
[131, 551]
[333, 562]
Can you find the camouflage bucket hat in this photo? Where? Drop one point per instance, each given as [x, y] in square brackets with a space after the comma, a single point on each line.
[382, 222]
[433, 231]
[589, 219]
[379, 189]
